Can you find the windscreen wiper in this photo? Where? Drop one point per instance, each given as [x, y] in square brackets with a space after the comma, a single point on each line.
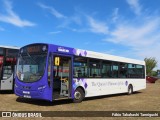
[31, 58]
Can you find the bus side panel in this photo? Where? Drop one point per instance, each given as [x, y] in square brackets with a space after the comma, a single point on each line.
[138, 84]
[98, 87]
[79, 82]
[7, 84]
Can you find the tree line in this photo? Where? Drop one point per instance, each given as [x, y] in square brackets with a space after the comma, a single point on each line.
[151, 63]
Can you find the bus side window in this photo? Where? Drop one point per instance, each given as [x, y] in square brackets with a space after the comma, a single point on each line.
[131, 70]
[94, 68]
[140, 71]
[106, 69]
[80, 67]
[123, 70]
[115, 68]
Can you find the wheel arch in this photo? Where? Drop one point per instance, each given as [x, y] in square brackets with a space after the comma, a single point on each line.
[81, 87]
[130, 89]
[130, 85]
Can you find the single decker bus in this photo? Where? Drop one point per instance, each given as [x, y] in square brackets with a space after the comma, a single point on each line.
[52, 72]
[8, 58]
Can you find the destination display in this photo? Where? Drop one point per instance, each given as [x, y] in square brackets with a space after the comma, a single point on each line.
[12, 52]
[34, 49]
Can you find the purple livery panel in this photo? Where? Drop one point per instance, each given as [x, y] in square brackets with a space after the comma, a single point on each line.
[40, 89]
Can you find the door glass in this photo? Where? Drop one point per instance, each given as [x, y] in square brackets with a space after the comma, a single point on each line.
[0, 71]
[49, 70]
[8, 67]
[7, 72]
[61, 76]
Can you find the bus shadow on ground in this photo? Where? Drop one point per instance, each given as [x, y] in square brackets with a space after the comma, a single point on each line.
[64, 101]
[43, 102]
[7, 92]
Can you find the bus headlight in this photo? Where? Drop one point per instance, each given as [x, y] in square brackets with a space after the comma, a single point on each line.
[15, 85]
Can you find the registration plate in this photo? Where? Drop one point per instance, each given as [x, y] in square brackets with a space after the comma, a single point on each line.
[27, 96]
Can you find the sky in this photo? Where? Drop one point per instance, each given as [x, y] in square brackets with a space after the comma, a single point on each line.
[128, 28]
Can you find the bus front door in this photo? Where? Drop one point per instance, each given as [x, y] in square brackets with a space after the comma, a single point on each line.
[7, 78]
[62, 74]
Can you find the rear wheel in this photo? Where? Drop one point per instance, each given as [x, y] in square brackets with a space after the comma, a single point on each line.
[130, 90]
[78, 95]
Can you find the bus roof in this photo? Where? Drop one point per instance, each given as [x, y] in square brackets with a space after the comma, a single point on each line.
[91, 54]
[113, 57]
[97, 55]
[11, 47]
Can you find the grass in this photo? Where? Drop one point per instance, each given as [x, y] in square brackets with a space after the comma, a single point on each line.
[144, 100]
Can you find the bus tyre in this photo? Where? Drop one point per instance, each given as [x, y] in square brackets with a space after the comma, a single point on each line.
[78, 95]
[130, 90]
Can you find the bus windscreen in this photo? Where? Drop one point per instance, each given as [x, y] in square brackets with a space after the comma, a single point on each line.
[31, 63]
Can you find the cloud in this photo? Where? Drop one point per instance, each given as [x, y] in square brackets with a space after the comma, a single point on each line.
[140, 34]
[12, 18]
[135, 6]
[77, 19]
[111, 51]
[52, 10]
[142, 39]
[97, 26]
[66, 21]
[136, 34]
[115, 14]
[55, 32]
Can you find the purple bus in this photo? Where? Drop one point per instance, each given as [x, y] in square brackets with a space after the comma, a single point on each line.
[51, 72]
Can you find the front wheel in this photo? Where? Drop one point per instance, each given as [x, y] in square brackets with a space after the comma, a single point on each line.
[130, 90]
[78, 95]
